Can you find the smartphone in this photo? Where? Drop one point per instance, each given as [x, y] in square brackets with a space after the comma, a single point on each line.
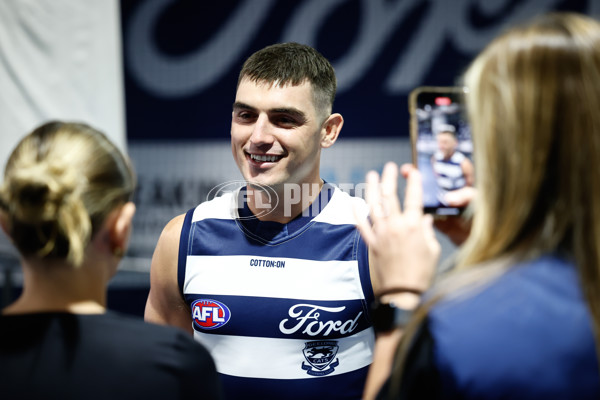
[442, 148]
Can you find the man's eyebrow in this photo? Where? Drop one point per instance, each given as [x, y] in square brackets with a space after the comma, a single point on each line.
[242, 106]
[294, 112]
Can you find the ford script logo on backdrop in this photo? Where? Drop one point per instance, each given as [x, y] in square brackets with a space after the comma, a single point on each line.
[182, 57]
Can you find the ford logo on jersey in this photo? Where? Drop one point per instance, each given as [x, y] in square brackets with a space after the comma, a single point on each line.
[209, 314]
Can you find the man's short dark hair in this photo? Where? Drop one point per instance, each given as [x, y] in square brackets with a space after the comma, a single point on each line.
[292, 64]
[448, 128]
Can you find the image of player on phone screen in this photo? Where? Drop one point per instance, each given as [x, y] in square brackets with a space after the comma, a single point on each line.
[453, 170]
[442, 147]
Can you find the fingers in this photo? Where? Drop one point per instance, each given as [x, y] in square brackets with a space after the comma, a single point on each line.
[372, 190]
[382, 198]
[405, 169]
[373, 199]
[413, 199]
[428, 228]
[455, 228]
[364, 227]
[365, 230]
[428, 225]
[389, 189]
[460, 197]
[373, 196]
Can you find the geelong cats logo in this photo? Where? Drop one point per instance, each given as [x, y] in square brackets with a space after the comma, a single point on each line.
[209, 314]
[320, 356]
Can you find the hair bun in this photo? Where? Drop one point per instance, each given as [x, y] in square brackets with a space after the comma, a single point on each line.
[44, 200]
[37, 192]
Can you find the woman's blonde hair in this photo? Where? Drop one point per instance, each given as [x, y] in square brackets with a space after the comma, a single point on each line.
[60, 183]
[534, 108]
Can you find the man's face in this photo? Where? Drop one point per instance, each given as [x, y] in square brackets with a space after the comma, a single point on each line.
[446, 143]
[276, 134]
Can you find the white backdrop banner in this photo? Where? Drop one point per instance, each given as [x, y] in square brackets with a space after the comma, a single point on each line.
[60, 59]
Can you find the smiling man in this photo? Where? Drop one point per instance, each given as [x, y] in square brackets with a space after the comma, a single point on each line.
[452, 169]
[273, 279]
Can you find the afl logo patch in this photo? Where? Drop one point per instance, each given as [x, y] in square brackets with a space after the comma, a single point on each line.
[209, 314]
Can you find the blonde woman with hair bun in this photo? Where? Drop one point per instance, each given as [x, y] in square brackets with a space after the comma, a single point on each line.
[65, 203]
[519, 317]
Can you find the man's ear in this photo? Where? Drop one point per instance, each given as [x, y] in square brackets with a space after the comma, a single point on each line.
[330, 130]
[120, 227]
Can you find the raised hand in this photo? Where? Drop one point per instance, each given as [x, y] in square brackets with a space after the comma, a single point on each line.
[402, 244]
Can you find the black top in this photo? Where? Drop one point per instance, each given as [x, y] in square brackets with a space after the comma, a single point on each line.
[421, 379]
[106, 356]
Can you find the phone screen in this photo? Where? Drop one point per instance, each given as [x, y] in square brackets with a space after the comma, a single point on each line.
[442, 148]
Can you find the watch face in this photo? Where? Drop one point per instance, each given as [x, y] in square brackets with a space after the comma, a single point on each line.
[386, 316]
[383, 317]
[402, 316]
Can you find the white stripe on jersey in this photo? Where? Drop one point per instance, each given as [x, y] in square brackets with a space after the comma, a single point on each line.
[271, 358]
[331, 280]
[449, 170]
[222, 207]
[339, 211]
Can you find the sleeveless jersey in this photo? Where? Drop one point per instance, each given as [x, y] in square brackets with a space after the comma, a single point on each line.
[449, 173]
[283, 308]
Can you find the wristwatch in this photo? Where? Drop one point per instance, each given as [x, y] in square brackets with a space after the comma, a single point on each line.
[387, 316]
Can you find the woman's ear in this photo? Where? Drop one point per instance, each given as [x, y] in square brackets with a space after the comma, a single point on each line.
[120, 227]
[331, 129]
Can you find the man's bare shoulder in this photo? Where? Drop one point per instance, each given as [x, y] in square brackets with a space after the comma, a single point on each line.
[173, 227]
[171, 232]
[165, 254]
[165, 304]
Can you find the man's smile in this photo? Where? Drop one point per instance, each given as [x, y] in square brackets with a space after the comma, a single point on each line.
[265, 157]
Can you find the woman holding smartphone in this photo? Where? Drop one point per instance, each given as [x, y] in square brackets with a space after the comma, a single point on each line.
[520, 315]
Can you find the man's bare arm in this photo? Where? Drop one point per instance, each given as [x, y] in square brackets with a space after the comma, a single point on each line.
[165, 304]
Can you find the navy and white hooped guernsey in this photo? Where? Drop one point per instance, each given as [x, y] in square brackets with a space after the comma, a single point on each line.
[283, 308]
[449, 173]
